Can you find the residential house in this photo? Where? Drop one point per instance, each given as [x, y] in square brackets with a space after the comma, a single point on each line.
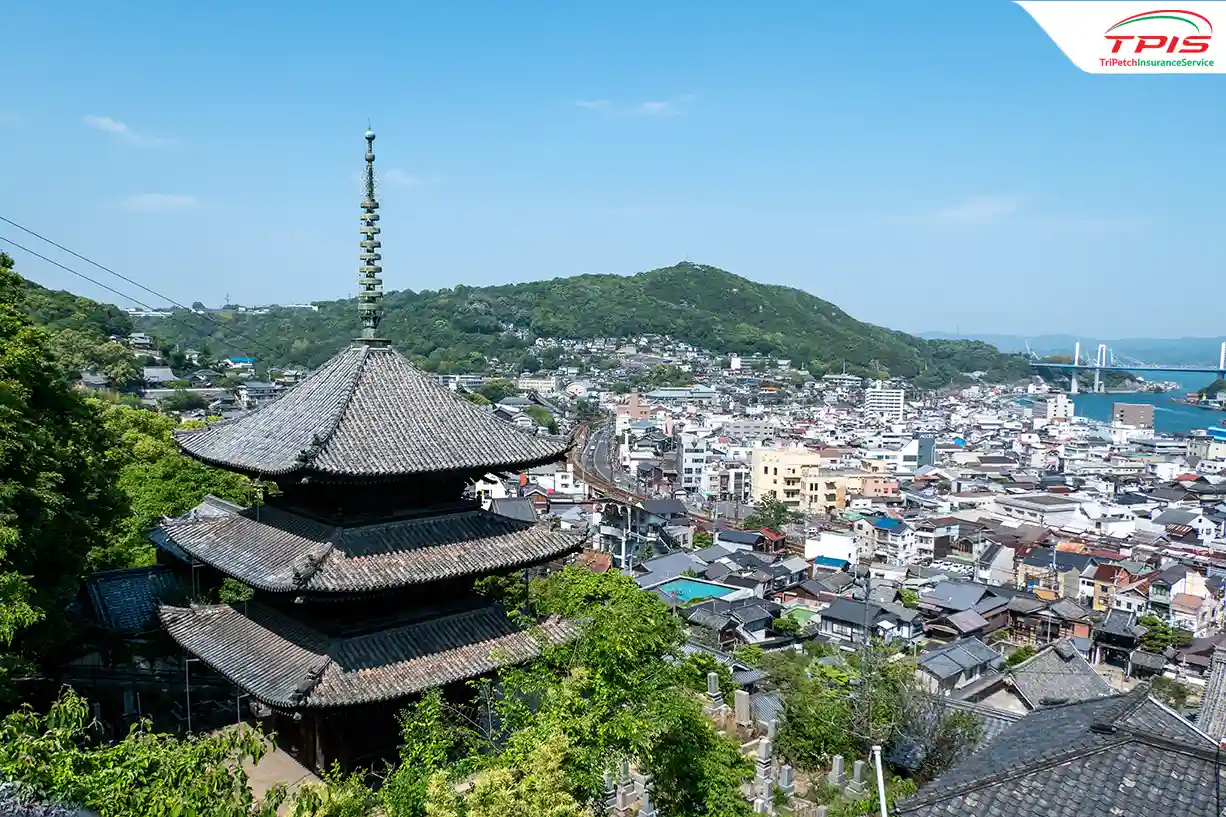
[1056, 674]
[1118, 755]
[954, 665]
[886, 539]
[844, 621]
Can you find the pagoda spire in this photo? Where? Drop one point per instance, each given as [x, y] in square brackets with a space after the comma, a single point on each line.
[370, 285]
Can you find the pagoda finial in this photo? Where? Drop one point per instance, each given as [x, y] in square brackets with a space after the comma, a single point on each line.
[370, 285]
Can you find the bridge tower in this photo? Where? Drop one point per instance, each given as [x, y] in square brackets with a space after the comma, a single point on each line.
[1221, 362]
[1076, 362]
[1100, 361]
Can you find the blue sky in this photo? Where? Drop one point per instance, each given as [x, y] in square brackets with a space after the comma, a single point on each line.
[924, 165]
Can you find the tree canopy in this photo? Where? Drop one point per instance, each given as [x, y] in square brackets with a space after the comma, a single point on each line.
[459, 329]
[59, 497]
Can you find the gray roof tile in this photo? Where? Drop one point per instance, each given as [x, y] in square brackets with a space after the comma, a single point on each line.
[284, 662]
[280, 551]
[368, 412]
[1124, 755]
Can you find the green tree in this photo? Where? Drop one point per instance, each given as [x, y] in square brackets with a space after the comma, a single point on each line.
[497, 390]
[157, 481]
[702, 539]
[1159, 635]
[543, 418]
[1171, 692]
[770, 512]
[908, 597]
[1019, 655]
[786, 625]
[57, 485]
[146, 773]
[184, 400]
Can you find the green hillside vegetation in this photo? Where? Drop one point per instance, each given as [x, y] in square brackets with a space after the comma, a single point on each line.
[455, 330]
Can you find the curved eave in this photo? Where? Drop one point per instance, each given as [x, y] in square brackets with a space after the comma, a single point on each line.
[304, 471]
[569, 543]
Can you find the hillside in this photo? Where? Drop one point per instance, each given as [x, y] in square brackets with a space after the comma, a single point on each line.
[453, 329]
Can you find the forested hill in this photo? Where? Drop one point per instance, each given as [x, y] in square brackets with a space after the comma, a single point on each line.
[455, 329]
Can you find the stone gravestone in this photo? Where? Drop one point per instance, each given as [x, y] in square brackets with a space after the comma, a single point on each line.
[713, 690]
[741, 701]
[836, 778]
[787, 780]
[855, 786]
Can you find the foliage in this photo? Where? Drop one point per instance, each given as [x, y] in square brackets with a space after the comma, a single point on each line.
[908, 598]
[537, 787]
[458, 329]
[1171, 692]
[1019, 655]
[145, 774]
[703, 539]
[232, 591]
[338, 795]
[786, 625]
[158, 481]
[496, 390]
[542, 417]
[430, 742]
[868, 698]
[57, 484]
[1159, 635]
[588, 409]
[770, 512]
[183, 400]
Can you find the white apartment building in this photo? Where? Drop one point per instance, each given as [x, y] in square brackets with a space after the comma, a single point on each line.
[889, 403]
[544, 386]
[692, 452]
[725, 481]
[1057, 408]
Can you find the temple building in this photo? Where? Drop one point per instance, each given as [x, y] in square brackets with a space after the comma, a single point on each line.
[363, 561]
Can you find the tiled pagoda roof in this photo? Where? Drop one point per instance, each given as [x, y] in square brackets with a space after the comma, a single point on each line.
[287, 664]
[368, 413]
[279, 551]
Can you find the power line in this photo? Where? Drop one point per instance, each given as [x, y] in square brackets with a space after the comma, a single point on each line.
[124, 295]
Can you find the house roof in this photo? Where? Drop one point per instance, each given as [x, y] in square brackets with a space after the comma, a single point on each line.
[514, 507]
[368, 412]
[955, 658]
[284, 662]
[1057, 673]
[280, 551]
[1122, 755]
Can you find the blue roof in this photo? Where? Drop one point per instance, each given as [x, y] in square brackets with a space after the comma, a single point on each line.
[829, 561]
[886, 523]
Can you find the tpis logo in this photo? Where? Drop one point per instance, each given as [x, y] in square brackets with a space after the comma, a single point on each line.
[1126, 37]
[1187, 33]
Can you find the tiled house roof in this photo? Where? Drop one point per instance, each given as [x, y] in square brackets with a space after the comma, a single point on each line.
[286, 663]
[280, 551]
[1124, 755]
[368, 412]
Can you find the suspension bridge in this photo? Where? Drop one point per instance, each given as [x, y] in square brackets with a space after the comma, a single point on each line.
[1107, 359]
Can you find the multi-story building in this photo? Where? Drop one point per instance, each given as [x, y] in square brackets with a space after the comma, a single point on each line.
[1057, 408]
[544, 386]
[1211, 446]
[888, 403]
[886, 540]
[1137, 415]
[725, 482]
[691, 458]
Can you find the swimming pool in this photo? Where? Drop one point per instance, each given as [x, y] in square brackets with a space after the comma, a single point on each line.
[685, 590]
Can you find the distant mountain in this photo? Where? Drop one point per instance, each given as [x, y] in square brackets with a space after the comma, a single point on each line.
[1161, 351]
[455, 329]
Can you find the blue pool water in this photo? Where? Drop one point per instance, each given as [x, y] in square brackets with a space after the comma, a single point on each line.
[684, 590]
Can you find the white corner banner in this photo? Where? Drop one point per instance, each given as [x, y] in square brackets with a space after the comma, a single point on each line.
[1108, 37]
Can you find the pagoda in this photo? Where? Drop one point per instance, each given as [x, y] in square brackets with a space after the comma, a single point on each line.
[363, 561]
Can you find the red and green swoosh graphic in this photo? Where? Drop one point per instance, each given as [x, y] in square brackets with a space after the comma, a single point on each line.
[1182, 15]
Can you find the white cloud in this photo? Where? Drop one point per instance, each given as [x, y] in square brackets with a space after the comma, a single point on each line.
[658, 108]
[661, 108]
[396, 177]
[976, 211]
[158, 202]
[107, 124]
